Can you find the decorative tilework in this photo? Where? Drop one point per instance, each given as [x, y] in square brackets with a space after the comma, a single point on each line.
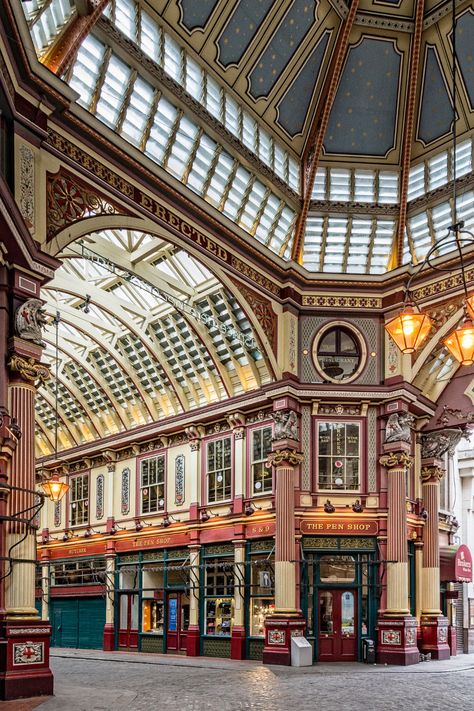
[391, 637]
[306, 437]
[27, 184]
[125, 498]
[436, 111]
[364, 113]
[410, 637]
[240, 30]
[281, 48]
[216, 647]
[293, 107]
[99, 497]
[152, 644]
[179, 480]
[276, 637]
[57, 514]
[372, 449]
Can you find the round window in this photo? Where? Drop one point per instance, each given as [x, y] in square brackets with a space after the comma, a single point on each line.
[338, 353]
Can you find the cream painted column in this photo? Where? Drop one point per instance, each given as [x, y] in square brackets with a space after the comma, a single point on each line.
[418, 577]
[237, 422]
[193, 480]
[20, 584]
[193, 635]
[430, 478]
[239, 580]
[397, 464]
[109, 628]
[285, 461]
[45, 590]
[110, 457]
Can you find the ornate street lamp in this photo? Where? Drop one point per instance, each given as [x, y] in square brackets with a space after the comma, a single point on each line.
[54, 489]
[409, 329]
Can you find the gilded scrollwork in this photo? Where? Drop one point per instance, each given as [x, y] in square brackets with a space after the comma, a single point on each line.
[284, 457]
[29, 369]
[396, 460]
[434, 473]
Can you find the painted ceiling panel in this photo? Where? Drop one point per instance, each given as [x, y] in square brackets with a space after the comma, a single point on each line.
[436, 111]
[465, 52]
[281, 48]
[364, 114]
[194, 14]
[241, 29]
[293, 108]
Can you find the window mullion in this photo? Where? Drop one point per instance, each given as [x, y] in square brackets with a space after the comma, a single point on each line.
[150, 120]
[100, 81]
[126, 100]
[172, 138]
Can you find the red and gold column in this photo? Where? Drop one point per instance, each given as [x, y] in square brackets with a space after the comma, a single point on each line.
[193, 637]
[396, 626]
[434, 626]
[287, 621]
[25, 636]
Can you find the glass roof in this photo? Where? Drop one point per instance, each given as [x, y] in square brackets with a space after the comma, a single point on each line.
[147, 333]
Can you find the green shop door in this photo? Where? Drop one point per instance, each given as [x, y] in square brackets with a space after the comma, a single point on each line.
[78, 622]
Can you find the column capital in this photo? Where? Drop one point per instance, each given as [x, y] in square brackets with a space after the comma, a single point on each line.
[396, 460]
[29, 369]
[433, 473]
[284, 456]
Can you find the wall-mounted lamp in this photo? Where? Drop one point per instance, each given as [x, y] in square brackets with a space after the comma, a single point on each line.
[424, 514]
[205, 516]
[328, 507]
[357, 506]
[89, 532]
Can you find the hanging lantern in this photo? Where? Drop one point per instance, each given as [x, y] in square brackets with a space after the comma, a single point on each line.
[409, 329]
[54, 489]
[461, 342]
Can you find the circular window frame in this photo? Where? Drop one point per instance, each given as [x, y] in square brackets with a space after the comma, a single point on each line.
[329, 326]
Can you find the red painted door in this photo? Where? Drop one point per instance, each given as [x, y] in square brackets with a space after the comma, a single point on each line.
[177, 621]
[337, 625]
[128, 621]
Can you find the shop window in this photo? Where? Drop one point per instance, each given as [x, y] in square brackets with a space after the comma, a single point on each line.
[338, 456]
[219, 470]
[261, 448]
[153, 612]
[152, 484]
[338, 354]
[219, 608]
[262, 592]
[337, 569]
[79, 572]
[79, 500]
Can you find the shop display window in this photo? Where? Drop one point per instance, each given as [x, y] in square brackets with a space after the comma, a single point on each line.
[262, 591]
[152, 484]
[78, 572]
[339, 456]
[79, 500]
[261, 607]
[219, 616]
[260, 449]
[219, 470]
[337, 569]
[153, 612]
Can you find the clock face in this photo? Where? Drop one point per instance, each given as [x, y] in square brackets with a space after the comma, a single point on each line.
[338, 354]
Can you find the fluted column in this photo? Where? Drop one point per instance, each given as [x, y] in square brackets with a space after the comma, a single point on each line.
[20, 540]
[285, 462]
[45, 583]
[238, 630]
[430, 478]
[193, 636]
[397, 464]
[109, 630]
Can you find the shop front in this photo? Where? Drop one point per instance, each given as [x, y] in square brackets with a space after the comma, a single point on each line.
[339, 595]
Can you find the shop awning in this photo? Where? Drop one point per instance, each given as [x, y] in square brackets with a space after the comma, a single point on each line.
[456, 564]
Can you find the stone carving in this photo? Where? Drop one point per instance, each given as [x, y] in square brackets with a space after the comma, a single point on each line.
[399, 426]
[125, 497]
[99, 502]
[396, 460]
[428, 473]
[30, 318]
[286, 425]
[29, 369]
[284, 457]
[436, 444]
[179, 480]
[27, 184]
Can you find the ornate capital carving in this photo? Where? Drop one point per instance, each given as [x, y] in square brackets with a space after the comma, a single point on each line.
[29, 369]
[236, 420]
[239, 432]
[428, 473]
[194, 435]
[396, 460]
[284, 456]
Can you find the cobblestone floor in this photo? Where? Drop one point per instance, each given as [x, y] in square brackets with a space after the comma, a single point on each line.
[95, 681]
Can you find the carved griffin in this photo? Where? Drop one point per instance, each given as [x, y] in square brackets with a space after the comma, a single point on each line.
[286, 425]
[399, 426]
[30, 318]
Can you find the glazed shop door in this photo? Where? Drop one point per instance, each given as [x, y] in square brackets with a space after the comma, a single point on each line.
[337, 625]
[177, 621]
[128, 621]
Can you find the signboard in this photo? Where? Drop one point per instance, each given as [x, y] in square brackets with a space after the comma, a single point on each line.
[260, 530]
[456, 564]
[172, 614]
[156, 541]
[337, 526]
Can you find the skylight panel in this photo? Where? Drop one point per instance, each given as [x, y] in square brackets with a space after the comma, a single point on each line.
[113, 91]
[364, 186]
[86, 69]
[335, 244]
[182, 147]
[282, 228]
[249, 131]
[47, 22]
[359, 242]
[264, 227]
[138, 111]
[312, 243]
[438, 170]
[193, 79]
[126, 18]
[388, 187]
[213, 98]
[280, 162]
[293, 174]
[339, 189]
[232, 113]
[163, 122]
[236, 192]
[150, 37]
[442, 219]
[465, 209]
[319, 185]
[201, 164]
[172, 63]
[463, 158]
[420, 233]
[382, 246]
[416, 181]
[217, 185]
[265, 148]
[253, 205]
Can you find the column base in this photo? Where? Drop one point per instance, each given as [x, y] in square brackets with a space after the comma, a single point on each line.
[279, 629]
[434, 636]
[109, 637]
[237, 643]
[193, 641]
[24, 659]
[397, 640]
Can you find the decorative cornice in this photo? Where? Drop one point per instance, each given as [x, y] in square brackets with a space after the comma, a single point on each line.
[346, 302]
[284, 457]
[396, 460]
[29, 369]
[428, 473]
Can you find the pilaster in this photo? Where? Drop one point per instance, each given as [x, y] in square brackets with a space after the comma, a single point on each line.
[237, 647]
[193, 637]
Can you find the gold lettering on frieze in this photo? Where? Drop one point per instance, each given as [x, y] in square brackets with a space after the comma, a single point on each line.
[151, 542]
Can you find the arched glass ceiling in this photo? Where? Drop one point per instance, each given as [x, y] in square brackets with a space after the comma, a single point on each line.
[145, 332]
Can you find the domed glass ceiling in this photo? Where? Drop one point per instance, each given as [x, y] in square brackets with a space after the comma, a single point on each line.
[227, 98]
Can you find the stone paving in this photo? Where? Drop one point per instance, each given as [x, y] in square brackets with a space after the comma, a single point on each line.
[98, 681]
